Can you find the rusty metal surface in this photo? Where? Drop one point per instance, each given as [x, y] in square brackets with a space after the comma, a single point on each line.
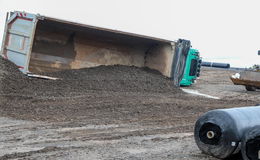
[250, 78]
[245, 82]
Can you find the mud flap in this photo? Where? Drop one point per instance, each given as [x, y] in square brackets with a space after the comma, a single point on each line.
[179, 60]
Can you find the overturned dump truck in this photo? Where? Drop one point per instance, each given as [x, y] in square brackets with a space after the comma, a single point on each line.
[38, 44]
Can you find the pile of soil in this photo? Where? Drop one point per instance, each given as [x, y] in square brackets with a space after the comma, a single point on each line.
[103, 78]
[12, 80]
[103, 95]
[139, 102]
[80, 93]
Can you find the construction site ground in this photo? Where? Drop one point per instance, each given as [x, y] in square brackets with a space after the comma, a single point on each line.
[113, 112]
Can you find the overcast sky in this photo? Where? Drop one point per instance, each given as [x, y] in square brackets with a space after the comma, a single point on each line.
[223, 30]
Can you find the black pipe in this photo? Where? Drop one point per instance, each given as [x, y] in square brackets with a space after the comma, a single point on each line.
[250, 147]
[215, 64]
[206, 64]
[219, 132]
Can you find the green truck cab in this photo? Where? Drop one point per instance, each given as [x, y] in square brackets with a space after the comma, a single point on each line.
[192, 68]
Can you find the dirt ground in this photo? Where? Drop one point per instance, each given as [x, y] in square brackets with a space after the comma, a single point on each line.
[113, 112]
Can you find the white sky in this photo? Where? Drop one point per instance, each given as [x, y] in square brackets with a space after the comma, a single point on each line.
[223, 30]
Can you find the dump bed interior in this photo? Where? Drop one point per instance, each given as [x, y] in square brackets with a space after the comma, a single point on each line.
[62, 45]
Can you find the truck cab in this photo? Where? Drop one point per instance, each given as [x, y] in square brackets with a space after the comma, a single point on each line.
[192, 68]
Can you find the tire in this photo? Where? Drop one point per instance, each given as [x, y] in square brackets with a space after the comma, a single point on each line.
[250, 88]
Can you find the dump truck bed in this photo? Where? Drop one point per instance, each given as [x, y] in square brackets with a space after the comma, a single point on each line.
[38, 44]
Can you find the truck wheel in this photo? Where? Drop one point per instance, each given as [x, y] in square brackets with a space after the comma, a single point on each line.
[250, 88]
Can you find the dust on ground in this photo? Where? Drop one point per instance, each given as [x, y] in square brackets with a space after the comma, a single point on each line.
[107, 112]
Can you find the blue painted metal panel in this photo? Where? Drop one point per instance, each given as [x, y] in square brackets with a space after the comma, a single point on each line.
[18, 59]
[22, 26]
[19, 39]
